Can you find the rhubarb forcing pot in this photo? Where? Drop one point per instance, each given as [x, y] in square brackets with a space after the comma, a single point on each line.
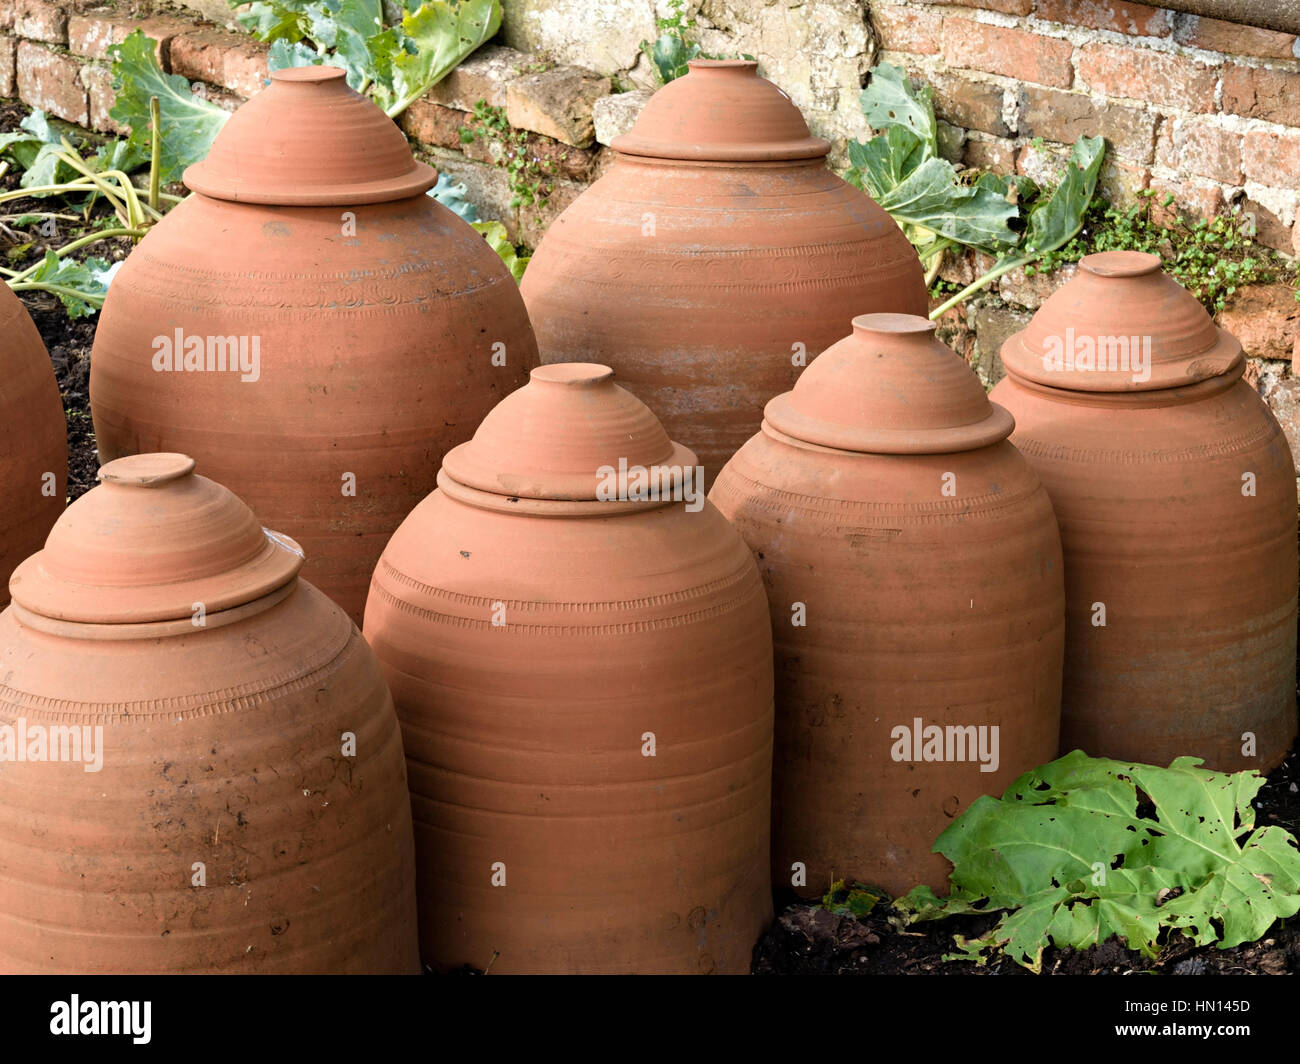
[33, 440]
[913, 567]
[579, 650]
[310, 325]
[716, 258]
[1176, 494]
[200, 767]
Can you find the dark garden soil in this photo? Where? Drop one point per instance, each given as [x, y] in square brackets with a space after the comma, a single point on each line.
[805, 938]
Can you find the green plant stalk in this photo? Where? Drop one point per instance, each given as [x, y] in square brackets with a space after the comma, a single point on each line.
[81, 242]
[57, 289]
[980, 283]
[155, 150]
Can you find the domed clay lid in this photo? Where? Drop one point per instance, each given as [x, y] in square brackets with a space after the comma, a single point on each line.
[889, 388]
[721, 111]
[1120, 325]
[309, 140]
[147, 544]
[559, 436]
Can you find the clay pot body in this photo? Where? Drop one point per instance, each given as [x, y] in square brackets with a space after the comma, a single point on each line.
[226, 827]
[913, 567]
[33, 440]
[379, 316]
[585, 691]
[715, 257]
[1177, 504]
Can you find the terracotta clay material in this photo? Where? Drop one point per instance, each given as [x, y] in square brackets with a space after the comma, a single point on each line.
[913, 567]
[384, 326]
[33, 440]
[584, 680]
[1176, 494]
[716, 257]
[200, 766]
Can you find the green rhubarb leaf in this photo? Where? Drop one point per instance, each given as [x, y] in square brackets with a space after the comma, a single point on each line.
[188, 123]
[80, 286]
[1056, 220]
[495, 234]
[435, 39]
[889, 100]
[1083, 849]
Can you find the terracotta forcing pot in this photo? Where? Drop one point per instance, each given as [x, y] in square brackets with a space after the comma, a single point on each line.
[200, 767]
[33, 439]
[716, 257]
[583, 671]
[913, 567]
[364, 328]
[1176, 494]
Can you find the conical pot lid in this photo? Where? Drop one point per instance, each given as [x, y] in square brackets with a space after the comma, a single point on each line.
[560, 436]
[721, 111]
[147, 544]
[309, 140]
[1120, 325]
[890, 388]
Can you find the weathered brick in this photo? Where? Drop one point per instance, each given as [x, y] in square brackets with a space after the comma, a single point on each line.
[1136, 19]
[615, 114]
[98, 81]
[905, 29]
[1283, 398]
[1215, 35]
[990, 153]
[40, 20]
[1066, 116]
[1258, 92]
[6, 14]
[1201, 201]
[1011, 52]
[1272, 158]
[432, 123]
[225, 59]
[1206, 150]
[50, 80]
[556, 103]
[1140, 74]
[1265, 318]
[994, 326]
[8, 65]
[93, 33]
[951, 141]
[483, 76]
[1269, 229]
[535, 220]
[967, 102]
[1007, 7]
[1031, 290]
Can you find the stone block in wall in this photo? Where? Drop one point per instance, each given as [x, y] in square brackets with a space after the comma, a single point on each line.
[482, 76]
[907, 29]
[951, 141]
[994, 325]
[1260, 92]
[1011, 52]
[1031, 290]
[1198, 200]
[98, 81]
[1138, 20]
[6, 15]
[1215, 35]
[990, 153]
[227, 60]
[1265, 318]
[535, 219]
[1065, 116]
[51, 81]
[8, 66]
[1201, 147]
[93, 33]
[433, 124]
[1270, 227]
[486, 186]
[1006, 7]
[604, 35]
[955, 329]
[556, 103]
[967, 101]
[1272, 158]
[615, 114]
[1283, 398]
[41, 20]
[1148, 76]
[1120, 182]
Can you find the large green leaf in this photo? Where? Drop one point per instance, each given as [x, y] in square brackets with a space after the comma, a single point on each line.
[889, 100]
[188, 123]
[435, 39]
[498, 240]
[271, 20]
[1056, 220]
[1070, 856]
[80, 286]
